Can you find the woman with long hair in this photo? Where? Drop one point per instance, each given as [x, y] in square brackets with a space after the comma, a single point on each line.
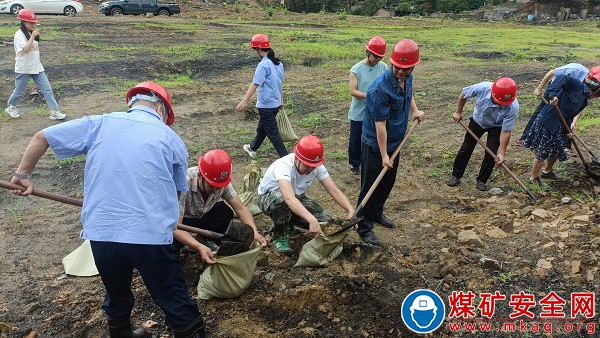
[267, 83]
[28, 65]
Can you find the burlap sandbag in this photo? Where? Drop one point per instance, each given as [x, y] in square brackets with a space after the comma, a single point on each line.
[285, 127]
[80, 262]
[250, 188]
[230, 277]
[322, 250]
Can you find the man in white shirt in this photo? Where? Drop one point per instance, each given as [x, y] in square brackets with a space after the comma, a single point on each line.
[282, 192]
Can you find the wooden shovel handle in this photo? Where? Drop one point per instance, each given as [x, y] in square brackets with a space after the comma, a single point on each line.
[79, 203]
[502, 165]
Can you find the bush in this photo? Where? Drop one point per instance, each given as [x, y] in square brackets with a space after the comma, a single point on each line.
[403, 8]
[315, 6]
[369, 7]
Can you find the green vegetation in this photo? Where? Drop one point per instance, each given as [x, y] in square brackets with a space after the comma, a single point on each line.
[183, 52]
[66, 162]
[313, 121]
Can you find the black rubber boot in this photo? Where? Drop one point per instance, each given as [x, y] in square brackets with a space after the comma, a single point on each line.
[122, 329]
[193, 330]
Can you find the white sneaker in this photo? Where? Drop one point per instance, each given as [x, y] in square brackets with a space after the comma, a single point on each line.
[250, 152]
[12, 111]
[55, 114]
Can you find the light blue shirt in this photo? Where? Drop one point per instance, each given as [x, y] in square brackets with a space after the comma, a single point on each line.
[487, 113]
[135, 165]
[269, 79]
[366, 75]
[574, 70]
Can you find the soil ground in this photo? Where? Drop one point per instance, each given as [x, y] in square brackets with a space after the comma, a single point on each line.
[360, 293]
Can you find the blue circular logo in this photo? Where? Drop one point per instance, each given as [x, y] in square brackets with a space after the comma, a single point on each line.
[423, 311]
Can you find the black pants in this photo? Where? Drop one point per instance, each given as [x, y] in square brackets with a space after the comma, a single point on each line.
[267, 127]
[161, 271]
[466, 150]
[370, 169]
[354, 143]
[217, 219]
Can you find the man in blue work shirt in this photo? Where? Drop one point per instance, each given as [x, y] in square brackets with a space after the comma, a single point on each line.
[495, 113]
[389, 101]
[135, 169]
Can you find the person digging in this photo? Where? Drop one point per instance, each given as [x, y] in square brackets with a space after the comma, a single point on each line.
[209, 202]
[282, 192]
[495, 113]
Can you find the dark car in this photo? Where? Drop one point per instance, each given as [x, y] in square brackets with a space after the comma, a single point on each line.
[137, 7]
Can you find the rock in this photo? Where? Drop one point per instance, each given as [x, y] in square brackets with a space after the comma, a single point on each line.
[565, 200]
[541, 272]
[287, 263]
[508, 227]
[468, 237]
[301, 325]
[31, 334]
[31, 307]
[149, 325]
[269, 276]
[541, 213]
[263, 260]
[582, 218]
[496, 233]
[589, 259]
[495, 191]
[526, 211]
[282, 287]
[589, 276]
[575, 267]
[549, 244]
[543, 264]
[489, 264]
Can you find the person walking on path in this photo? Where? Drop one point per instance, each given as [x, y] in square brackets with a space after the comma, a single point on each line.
[282, 192]
[210, 203]
[495, 113]
[135, 170]
[389, 101]
[267, 83]
[28, 65]
[546, 138]
[362, 75]
[574, 70]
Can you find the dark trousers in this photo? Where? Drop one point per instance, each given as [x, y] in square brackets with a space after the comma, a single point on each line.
[161, 271]
[354, 143]
[466, 150]
[267, 127]
[217, 219]
[370, 169]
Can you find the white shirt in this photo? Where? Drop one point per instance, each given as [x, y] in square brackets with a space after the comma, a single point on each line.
[284, 169]
[27, 63]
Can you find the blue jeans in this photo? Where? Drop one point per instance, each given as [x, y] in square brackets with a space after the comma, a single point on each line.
[267, 127]
[161, 271]
[354, 143]
[41, 80]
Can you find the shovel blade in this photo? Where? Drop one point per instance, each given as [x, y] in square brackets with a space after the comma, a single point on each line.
[237, 239]
[229, 248]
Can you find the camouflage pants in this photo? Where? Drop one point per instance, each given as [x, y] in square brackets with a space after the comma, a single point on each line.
[273, 205]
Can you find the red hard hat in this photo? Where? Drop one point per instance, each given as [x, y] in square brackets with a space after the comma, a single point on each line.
[309, 151]
[215, 167]
[27, 15]
[260, 41]
[145, 87]
[595, 73]
[405, 54]
[377, 46]
[504, 91]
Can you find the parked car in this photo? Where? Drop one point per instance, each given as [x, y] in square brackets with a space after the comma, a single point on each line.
[66, 7]
[137, 7]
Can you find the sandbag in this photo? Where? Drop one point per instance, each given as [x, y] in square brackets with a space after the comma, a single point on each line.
[322, 250]
[80, 262]
[250, 188]
[230, 276]
[285, 127]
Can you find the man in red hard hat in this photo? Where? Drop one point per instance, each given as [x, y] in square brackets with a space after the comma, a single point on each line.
[362, 75]
[282, 192]
[495, 113]
[134, 172]
[389, 102]
[209, 202]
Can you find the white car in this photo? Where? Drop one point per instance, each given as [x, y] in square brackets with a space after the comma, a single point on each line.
[66, 7]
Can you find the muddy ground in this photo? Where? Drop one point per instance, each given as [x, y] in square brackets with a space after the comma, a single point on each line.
[360, 293]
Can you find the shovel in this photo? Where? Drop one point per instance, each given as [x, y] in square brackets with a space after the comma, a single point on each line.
[568, 129]
[352, 221]
[502, 165]
[237, 238]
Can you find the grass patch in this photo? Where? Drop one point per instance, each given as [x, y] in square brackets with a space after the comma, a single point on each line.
[313, 121]
[66, 162]
[108, 48]
[183, 52]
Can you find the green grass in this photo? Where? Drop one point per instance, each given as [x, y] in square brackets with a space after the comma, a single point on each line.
[183, 52]
[108, 48]
[66, 162]
[313, 121]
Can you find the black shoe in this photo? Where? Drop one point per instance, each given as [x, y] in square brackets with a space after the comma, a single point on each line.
[370, 238]
[453, 182]
[354, 170]
[386, 222]
[122, 329]
[481, 186]
[549, 174]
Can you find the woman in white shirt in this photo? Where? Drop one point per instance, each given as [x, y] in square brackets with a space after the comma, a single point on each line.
[28, 65]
